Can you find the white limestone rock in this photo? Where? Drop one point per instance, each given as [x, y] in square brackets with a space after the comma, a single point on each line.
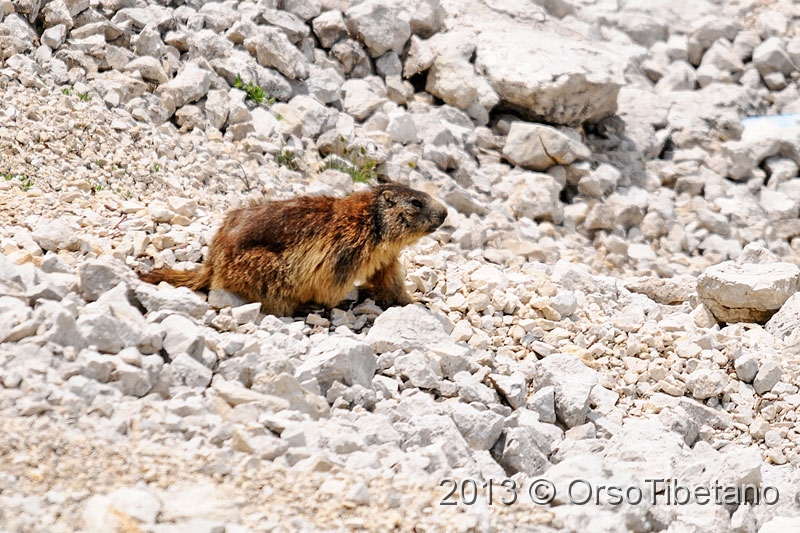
[747, 292]
[347, 361]
[100, 275]
[360, 99]
[186, 370]
[182, 335]
[572, 382]
[480, 429]
[771, 56]
[786, 322]
[55, 235]
[706, 383]
[272, 48]
[539, 147]
[382, 25]
[535, 71]
[108, 334]
[329, 27]
[413, 327]
[769, 373]
[189, 85]
[419, 369]
[536, 196]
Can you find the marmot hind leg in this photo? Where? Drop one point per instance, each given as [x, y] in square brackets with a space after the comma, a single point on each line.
[388, 287]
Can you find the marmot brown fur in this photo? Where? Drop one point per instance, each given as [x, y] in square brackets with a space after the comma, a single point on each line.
[314, 249]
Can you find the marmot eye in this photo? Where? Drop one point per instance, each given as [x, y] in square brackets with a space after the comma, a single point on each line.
[417, 203]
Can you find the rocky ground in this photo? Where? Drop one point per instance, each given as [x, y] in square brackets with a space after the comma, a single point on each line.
[607, 333]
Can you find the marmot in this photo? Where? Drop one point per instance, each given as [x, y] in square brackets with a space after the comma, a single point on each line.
[314, 249]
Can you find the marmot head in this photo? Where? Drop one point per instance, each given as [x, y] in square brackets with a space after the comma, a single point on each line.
[405, 214]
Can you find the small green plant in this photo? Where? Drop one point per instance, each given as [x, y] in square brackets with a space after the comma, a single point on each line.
[25, 182]
[83, 97]
[97, 187]
[287, 158]
[100, 162]
[66, 91]
[354, 162]
[278, 116]
[254, 92]
[156, 167]
[363, 173]
[366, 172]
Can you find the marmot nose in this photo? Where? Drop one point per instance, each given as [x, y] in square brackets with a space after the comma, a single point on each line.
[441, 215]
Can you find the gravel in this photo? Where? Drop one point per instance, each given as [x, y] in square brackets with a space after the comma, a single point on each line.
[611, 302]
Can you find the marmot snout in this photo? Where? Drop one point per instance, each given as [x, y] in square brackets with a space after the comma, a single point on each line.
[285, 254]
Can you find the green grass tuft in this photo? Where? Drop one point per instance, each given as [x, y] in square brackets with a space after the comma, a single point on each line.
[287, 158]
[254, 92]
[363, 173]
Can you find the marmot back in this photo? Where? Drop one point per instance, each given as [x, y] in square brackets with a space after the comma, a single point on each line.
[313, 249]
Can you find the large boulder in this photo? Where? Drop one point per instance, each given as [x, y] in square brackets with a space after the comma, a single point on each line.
[747, 292]
[550, 78]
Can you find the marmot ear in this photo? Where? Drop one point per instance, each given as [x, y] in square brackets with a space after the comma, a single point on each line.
[389, 198]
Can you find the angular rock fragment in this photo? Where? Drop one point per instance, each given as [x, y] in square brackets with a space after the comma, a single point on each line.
[272, 48]
[572, 382]
[344, 360]
[747, 292]
[189, 85]
[539, 147]
[412, 327]
[380, 24]
[188, 371]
